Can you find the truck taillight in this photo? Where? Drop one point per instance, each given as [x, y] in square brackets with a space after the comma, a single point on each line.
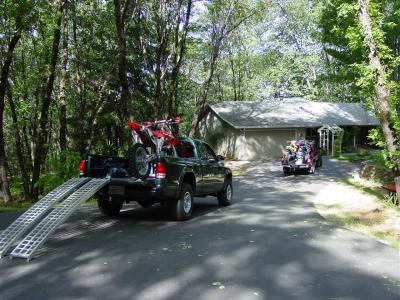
[82, 167]
[161, 170]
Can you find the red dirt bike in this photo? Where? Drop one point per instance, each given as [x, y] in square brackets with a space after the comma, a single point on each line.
[151, 140]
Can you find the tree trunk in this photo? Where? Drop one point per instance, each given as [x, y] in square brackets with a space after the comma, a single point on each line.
[163, 33]
[19, 145]
[177, 53]
[63, 78]
[79, 82]
[5, 71]
[220, 32]
[232, 63]
[382, 104]
[126, 108]
[41, 146]
[201, 103]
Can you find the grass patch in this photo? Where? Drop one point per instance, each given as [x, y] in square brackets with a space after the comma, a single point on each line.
[375, 157]
[392, 238]
[365, 222]
[345, 219]
[357, 157]
[241, 171]
[15, 206]
[376, 191]
[23, 205]
[91, 202]
[378, 217]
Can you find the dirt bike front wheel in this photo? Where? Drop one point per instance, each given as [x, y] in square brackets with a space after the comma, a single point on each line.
[139, 166]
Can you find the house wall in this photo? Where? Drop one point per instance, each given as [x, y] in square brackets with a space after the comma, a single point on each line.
[268, 143]
[246, 144]
[225, 140]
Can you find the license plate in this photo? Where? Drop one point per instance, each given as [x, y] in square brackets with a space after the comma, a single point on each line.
[116, 189]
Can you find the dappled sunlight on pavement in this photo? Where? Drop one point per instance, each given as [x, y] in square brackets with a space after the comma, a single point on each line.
[270, 244]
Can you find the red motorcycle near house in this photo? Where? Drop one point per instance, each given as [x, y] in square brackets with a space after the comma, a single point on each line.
[151, 140]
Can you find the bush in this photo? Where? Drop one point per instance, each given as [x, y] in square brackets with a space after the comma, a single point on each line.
[61, 169]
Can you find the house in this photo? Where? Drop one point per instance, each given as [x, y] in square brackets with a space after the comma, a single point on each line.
[262, 129]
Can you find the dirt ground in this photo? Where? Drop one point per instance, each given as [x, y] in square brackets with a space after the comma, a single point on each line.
[359, 211]
[237, 165]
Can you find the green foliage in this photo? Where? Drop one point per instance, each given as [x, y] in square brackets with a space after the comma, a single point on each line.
[385, 158]
[362, 152]
[301, 47]
[61, 168]
[15, 206]
[272, 50]
[338, 144]
[390, 200]
[351, 74]
[376, 138]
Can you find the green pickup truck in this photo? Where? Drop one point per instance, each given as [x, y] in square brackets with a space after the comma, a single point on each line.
[190, 169]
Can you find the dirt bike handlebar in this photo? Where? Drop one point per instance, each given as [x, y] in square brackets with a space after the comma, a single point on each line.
[170, 121]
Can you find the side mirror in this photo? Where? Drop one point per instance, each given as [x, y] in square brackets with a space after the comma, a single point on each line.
[220, 157]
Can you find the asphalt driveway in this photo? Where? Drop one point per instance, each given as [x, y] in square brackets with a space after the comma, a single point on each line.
[271, 244]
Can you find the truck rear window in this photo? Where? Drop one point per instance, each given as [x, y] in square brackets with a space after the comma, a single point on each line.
[185, 150]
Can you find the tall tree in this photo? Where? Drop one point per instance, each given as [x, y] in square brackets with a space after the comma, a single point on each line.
[63, 77]
[43, 135]
[120, 17]
[178, 49]
[5, 71]
[222, 24]
[18, 14]
[382, 92]
[358, 40]
[19, 144]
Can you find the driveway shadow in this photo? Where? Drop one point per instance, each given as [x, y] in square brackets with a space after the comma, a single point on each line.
[270, 244]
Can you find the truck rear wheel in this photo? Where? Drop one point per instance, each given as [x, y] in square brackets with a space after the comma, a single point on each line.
[225, 196]
[181, 209]
[319, 162]
[109, 206]
[137, 159]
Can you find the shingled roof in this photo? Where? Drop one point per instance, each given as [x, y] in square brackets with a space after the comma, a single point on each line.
[292, 112]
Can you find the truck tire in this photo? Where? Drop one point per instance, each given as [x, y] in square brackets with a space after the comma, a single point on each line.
[225, 196]
[137, 161]
[181, 209]
[108, 206]
[311, 170]
[286, 171]
[320, 162]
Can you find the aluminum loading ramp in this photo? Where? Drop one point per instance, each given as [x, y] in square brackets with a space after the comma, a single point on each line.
[27, 247]
[37, 211]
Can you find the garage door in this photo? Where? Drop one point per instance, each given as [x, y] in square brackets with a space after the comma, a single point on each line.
[267, 143]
